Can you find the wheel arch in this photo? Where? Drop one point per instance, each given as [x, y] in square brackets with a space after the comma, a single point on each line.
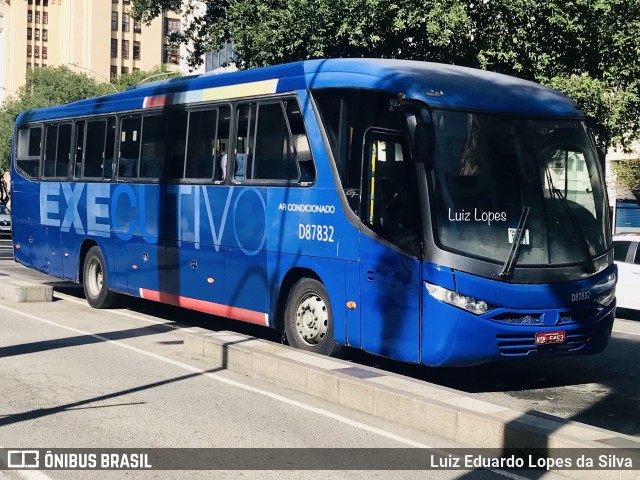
[87, 243]
[288, 281]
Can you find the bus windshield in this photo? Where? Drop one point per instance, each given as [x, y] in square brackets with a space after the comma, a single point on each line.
[488, 169]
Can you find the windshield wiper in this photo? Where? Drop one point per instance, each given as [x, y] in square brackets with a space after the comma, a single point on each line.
[509, 265]
[574, 221]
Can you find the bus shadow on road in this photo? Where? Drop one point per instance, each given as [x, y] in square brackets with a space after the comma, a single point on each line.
[600, 390]
[188, 318]
[628, 314]
[606, 383]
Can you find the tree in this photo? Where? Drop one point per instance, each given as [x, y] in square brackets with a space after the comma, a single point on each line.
[588, 49]
[54, 86]
[44, 87]
[565, 44]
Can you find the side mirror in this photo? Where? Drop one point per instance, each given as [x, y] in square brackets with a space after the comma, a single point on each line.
[601, 139]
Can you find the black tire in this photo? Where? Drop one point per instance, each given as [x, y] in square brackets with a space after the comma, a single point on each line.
[308, 318]
[94, 280]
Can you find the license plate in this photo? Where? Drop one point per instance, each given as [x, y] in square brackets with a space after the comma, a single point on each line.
[546, 338]
[5, 229]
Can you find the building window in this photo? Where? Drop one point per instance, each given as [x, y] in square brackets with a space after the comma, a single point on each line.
[37, 16]
[45, 18]
[28, 65]
[37, 2]
[171, 25]
[125, 48]
[114, 71]
[37, 32]
[170, 54]
[126, 2]
[28, 50]
[125, 22]
[45, 34]
[114, 1]
[136, 50]
[114, 48]
[114, 21]
[44, 65]
[136, 69]
[36, 51]
[44, 53]
[29, 16]
[29, 33]
[137, 26]
[125, 70]
[45, 3]
[36, 65]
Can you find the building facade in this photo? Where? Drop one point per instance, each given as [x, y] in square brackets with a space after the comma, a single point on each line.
[97, 37]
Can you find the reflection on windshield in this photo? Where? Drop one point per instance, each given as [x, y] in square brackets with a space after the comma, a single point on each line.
[488, 168]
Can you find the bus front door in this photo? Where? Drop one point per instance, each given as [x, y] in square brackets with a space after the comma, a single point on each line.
[389, 249]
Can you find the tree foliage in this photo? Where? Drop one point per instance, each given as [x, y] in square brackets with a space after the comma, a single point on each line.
[628, 175]
[54, 86]
[589, 49]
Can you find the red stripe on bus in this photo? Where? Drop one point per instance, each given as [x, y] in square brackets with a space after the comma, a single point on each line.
[236, 313]
[158, 101]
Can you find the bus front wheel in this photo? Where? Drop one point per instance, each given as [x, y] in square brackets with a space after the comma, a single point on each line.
[308, 318]
[94, 280]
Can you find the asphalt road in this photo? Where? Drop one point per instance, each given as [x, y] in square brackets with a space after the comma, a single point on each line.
[62, 389]
[601, 390]
[72, 376]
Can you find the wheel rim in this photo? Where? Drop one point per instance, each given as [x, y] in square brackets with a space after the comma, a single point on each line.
[312, 319]
[95, 278]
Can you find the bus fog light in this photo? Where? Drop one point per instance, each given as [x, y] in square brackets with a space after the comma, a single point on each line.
[473, 305]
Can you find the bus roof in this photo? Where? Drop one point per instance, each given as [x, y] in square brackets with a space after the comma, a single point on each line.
[440, 85]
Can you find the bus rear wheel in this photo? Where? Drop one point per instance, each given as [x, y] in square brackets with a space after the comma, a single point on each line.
[308, 318]
[94, 280]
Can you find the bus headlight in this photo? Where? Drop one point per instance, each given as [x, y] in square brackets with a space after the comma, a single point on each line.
[606, 298]
[608, 286]
[473, 305]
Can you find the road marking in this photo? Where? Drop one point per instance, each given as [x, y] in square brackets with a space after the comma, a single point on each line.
[248, 388]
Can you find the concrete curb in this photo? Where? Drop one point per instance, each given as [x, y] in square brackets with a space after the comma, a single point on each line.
[21, 291]
[436, 410]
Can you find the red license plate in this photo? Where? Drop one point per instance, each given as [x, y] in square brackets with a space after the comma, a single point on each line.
[546, 338]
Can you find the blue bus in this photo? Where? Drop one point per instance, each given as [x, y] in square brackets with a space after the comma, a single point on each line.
[428, 213]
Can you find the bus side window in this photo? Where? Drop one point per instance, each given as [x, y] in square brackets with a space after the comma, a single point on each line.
[129, 147]
[300, 142]
[109, 148]
[176, 127]
[57, 151]
[94, 153]
[388, 207]
[201, 149]
[273, 159]
[246, 119]
[79, 151]
[222, 144]
[153, 146]
[28, 149]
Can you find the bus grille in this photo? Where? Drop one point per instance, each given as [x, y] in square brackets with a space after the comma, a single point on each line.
[521, 345]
